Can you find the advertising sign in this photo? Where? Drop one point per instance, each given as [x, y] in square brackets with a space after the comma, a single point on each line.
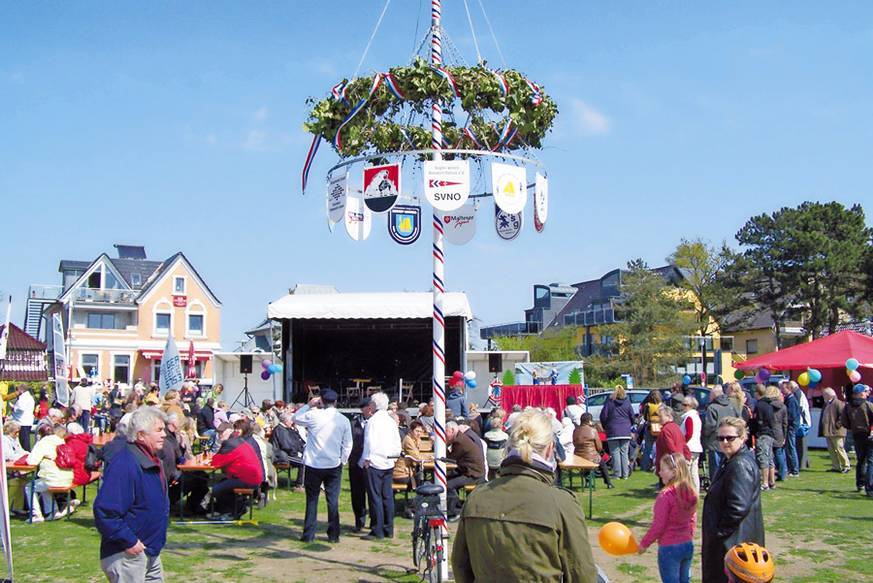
[541, 202]
[381, 187]
[358, 219]
[459, 225]
[404, 224]
[510, 190]
[446, 183]
[336, 198]
[508, 225]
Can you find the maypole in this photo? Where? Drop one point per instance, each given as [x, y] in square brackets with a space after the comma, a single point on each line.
[439, 287]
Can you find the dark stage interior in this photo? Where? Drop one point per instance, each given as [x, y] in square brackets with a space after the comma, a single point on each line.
[331, 353]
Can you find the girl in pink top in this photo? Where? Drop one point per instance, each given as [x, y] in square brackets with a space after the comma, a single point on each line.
[674, 517]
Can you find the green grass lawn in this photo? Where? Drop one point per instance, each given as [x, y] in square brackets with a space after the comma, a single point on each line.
[817, 525]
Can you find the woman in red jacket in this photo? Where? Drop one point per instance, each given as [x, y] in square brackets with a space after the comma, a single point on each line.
[78, 441]
[671, 439]
[242, 469]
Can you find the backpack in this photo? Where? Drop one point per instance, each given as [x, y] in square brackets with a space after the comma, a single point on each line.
[495, 451]
[92, 459]
[64, 458]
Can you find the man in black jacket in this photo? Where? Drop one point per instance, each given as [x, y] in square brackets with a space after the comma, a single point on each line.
[206, 420]
[357, 474]
[288, 447]
[171, 455]
[857, 417]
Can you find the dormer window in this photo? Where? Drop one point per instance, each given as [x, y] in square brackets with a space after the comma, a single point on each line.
[179, 285]
[135, 279]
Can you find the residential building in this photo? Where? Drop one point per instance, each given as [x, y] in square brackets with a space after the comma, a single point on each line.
[25, 357]
[118, 312]
[548, 300]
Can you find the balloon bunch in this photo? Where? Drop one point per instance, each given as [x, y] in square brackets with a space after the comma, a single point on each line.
[852, 370]
[739, 374]
[809, 379]
[763, 375]
[458, 379]
[270, 368]
[686, 380]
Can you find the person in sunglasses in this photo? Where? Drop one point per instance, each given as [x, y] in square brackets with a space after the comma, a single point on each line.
[732, 507]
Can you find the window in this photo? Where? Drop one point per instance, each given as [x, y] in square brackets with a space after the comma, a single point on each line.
[727, 343]
[121, 368]
[94, 280]
[162, 323]
[179, 285]
[135, 279]
[198, 369]
[156, 370]
[110, 281]
[101, 321]
[91, 362]
[195, 324]
[752, 346]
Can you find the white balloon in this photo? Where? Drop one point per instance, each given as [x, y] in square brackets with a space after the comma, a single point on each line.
[471, 375]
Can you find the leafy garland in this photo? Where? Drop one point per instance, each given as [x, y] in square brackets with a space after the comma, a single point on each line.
[372, 105]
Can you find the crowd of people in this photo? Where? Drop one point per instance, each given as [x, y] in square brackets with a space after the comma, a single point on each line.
[509, 459]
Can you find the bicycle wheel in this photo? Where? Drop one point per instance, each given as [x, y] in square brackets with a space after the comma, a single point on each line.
[420, 544]
[435, 555]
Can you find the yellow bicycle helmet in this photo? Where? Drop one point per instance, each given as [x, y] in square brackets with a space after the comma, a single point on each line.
[750, 562]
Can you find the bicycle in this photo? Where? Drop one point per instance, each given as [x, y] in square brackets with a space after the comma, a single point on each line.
[428, 548]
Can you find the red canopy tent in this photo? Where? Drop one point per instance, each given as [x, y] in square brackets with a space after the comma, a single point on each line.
[827, 354]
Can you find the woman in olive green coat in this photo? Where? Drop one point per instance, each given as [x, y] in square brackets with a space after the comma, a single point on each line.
[520, 527]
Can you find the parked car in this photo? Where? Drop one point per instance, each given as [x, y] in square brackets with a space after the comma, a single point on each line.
[595, 403]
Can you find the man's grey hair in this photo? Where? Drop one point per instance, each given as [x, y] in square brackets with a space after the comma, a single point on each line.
[830, 393]
[717, 391]
[172, 418]
[286, 417]
[53, 412]
[144, 419]
[451, 425]
[665, 412]
[794, 386]
[123, 424]
[380, 401]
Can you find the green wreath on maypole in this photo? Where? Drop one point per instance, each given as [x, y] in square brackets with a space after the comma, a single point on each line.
[360, 114]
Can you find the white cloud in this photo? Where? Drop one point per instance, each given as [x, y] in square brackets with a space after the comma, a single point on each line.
[261, 114]
[588, 120]
[255, 140]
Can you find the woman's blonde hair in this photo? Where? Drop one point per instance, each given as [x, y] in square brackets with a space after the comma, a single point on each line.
[772, 392]
[531, 433]
[619, 392]
[736, 423]
[681, 481]
[171, 395]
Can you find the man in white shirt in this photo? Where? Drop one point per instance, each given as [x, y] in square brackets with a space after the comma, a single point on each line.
[381, 448]
[22, 413]
[83, 399]
[574, 411]
[328, 445]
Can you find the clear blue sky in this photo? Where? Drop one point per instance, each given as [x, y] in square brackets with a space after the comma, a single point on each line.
[179, 126]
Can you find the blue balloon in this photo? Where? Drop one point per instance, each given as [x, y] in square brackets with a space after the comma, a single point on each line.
[686, 380]
[273, 368]
[852, 364]
[811, 385]
[814, 375]
[471, 383]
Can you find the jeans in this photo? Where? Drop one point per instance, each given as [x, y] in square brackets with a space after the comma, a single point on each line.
[122, 568]
[791, 450]
[313, 479]
[24, 437]
[381, 501]
[648, 446]
[224, 497]
[674, 562]
[618, 449]
[781, 464]
[453, 501]
[864, 463]
[714, 459]
[39, 487]
[85, 421]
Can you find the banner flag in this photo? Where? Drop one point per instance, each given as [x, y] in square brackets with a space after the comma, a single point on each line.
[358, 219]
[447, 183]
[337, 190]
[171, 367]
[541, 202]
[59, 361]
[460, 225]
[381, 187]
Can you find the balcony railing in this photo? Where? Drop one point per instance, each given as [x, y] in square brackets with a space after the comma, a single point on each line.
[590, 317]
[510, 329]
[44, 292]
[104, 296]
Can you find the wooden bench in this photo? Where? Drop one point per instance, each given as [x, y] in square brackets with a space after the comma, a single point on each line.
[244, 494]
[85, 488]
[465, 491]
[57, 490]
[401, 487]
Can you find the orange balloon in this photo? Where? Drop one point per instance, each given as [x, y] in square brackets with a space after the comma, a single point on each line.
[617, 539]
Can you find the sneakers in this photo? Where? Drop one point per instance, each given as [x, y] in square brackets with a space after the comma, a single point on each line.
[62, 513]
[73, 504]
[764, 488]
[37, 519]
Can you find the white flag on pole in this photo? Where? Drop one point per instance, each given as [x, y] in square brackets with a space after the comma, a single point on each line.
[62, 390]
[4, 336]
[171, 367]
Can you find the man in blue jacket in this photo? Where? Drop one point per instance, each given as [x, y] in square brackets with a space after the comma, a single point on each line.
[793, 408]
[132, 509]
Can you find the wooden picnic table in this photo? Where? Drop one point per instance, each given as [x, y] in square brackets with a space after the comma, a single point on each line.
[585, 468]
[200, 463]
[24, 469]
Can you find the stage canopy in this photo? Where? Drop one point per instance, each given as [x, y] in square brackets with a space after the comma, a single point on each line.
[353, 306]
[824, 353]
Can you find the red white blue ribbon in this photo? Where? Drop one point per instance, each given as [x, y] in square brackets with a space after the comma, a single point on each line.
[468, 132]
[337, 140]
[537, 95]
[506, 136]
[338, 91]
[501, 82]
[310, 156]
[444, 73]
[393, 87]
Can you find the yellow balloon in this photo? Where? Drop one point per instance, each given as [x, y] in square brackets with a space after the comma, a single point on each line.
[803, 379]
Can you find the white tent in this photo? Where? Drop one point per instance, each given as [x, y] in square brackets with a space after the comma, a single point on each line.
[342, 306]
